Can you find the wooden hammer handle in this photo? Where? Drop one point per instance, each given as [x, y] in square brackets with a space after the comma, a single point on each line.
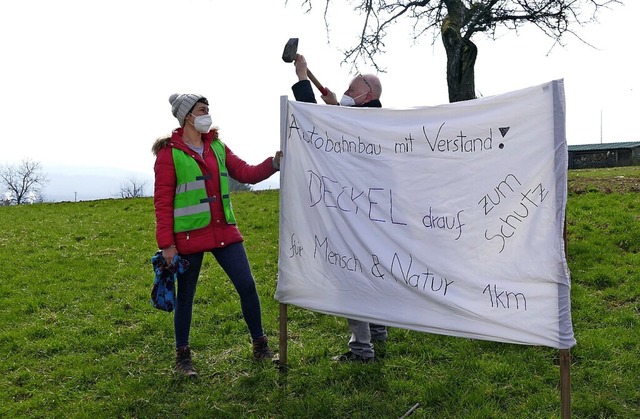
[316, 82]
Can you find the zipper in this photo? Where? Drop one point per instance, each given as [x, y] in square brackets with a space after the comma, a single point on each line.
[188, 235]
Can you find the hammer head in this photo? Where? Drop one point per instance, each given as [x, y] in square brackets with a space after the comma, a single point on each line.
[290, 50]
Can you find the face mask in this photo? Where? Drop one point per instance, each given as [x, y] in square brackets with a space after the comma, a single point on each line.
[347, 101]
[202, 123]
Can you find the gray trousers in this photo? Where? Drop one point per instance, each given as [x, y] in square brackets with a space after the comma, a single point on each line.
[362, 333]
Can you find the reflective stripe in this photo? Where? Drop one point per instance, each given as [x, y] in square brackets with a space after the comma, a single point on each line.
[190, 210]
[189, 186]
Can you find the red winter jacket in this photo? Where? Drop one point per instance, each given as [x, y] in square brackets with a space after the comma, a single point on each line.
[218, 233]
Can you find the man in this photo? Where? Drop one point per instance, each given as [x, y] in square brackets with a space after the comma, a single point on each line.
[363, 91]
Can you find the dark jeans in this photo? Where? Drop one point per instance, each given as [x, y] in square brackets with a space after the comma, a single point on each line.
[233, 259]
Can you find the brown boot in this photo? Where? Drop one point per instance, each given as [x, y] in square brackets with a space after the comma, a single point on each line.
[261, 351]
[183, 362]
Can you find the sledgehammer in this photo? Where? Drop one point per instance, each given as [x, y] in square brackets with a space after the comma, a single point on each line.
[289, 54]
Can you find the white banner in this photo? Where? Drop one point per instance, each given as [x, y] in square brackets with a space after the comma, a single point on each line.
[446, 219]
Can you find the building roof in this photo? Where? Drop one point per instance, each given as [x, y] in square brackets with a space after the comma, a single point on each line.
[604, 146]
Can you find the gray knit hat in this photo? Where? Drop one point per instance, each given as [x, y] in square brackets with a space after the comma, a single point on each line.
[182, 104]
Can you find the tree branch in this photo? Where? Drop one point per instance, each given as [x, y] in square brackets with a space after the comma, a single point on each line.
[553, 17]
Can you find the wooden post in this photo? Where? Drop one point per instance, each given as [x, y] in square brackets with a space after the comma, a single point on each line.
[565, 383]
[565, 354]
[283, 336]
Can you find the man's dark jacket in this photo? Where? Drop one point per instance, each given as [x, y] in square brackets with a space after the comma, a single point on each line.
[304, 93]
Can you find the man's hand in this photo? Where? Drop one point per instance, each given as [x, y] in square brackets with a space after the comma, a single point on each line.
[330, 98]
[301, 67]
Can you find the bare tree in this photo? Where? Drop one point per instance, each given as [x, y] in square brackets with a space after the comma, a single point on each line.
[457, 21]
[23, 181]
[132, 188]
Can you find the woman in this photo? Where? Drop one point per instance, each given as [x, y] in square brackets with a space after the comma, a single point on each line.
[194, 215]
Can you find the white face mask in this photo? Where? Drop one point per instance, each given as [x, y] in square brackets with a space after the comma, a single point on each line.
[347, 101]
[202, 123]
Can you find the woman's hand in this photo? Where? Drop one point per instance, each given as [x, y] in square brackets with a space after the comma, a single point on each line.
[169, 253]
[276, 159]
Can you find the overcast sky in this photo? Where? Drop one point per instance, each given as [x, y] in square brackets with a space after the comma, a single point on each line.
[85, 84]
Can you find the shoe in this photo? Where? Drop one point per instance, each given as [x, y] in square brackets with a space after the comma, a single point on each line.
[261, 351]
[183, 362]
[379, 333]
[351, 357]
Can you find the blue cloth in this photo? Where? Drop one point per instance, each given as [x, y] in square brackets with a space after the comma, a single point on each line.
[163, 294]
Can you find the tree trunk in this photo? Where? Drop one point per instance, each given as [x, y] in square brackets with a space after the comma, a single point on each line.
[461, 60]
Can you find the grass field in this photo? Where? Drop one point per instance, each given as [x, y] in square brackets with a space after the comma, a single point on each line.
[78, 337]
